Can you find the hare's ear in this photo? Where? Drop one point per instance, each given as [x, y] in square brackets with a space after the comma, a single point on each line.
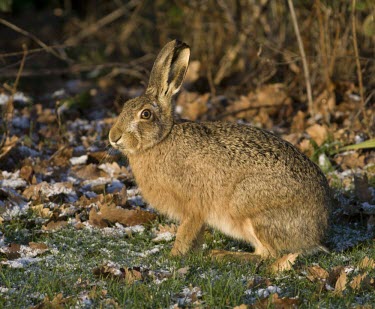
[169, 69]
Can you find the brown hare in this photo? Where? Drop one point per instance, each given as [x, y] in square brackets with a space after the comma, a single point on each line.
[244, 181]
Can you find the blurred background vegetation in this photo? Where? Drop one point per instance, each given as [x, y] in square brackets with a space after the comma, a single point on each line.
[237, 45]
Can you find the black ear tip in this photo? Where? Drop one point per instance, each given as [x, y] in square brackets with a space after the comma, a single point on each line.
[179, 45]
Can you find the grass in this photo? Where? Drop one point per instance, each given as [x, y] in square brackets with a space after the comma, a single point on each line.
[68, 269]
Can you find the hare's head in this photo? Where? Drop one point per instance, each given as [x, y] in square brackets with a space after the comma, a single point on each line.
[148, 119]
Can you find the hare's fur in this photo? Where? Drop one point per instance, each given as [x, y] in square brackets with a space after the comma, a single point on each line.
[244, 181]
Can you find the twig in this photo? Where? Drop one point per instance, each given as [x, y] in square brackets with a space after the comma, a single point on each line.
[111, 17]
[358, 63]
[8, 112]
[303, 56]
[33, 37]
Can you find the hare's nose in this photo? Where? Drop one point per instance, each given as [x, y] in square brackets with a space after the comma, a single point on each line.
[114, 135]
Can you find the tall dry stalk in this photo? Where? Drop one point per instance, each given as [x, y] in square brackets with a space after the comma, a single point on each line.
[303, 57]
[358, 63]
[9, 108]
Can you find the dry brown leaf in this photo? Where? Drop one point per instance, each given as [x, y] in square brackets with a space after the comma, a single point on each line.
[258, 282]
[243, 306]
[220, 255]
[131, 275]
[367, 263]
[127, 217]
[87, 172]
[334, 274]
[306, 147]
[298, 122]
[284, 263]
[183, 271]
[120, 198]
[361, 282]
[350, 160]
[108, 271]
[318, 133]
[276, 302]
[8, 146]
[42, 211]
[1, 220]
[193, 105]
[316, 273]
[38, 246]
[340, 285]
[54, 225]
[325, 103]
[62, 157]
[45, 189]
[58, 302]
[12, 251]
[96, 219]
[26, 172]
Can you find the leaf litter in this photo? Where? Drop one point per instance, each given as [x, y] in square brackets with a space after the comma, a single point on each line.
[68, 179]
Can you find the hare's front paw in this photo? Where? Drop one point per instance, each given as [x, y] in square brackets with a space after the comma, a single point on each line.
[179, 249]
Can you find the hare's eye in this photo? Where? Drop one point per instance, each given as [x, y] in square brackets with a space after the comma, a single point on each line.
[146, 114]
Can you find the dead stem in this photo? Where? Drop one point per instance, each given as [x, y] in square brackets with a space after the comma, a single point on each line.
[358, 64]
[33, 37]
[303, 56]
[9, 108]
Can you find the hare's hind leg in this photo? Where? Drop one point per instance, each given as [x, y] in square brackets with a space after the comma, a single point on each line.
[188, 233]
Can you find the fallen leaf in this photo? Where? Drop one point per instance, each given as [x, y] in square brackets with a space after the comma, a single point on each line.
[12, 251]
[96, 219]
[367, 263]
[8, 146]
[318, 133]
[112, 271]
[243, 306]
[45, 189]
[40, 247]
[284, 263]
[340, 285]
[350, 160]
[87, 172]
[276, 302]
[58, 302]
[127, 217]
[334, 275]
[26, 172]
[258, 282]
[298, 122]
[361, 282]
[131, 275]
[62, 156]
[192, 104]
[316, 273]
[54, 225]
[220, 255]
[165, 233]
[42, 211]
[183, 271]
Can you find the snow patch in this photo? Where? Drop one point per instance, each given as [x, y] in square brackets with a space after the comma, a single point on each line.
[21, 262]
[79, 160]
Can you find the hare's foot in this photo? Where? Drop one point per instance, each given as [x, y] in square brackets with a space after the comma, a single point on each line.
[199, 240]
[241, 256]
[188, 232]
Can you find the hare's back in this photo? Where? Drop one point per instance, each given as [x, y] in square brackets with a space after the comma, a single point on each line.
[246, 147]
